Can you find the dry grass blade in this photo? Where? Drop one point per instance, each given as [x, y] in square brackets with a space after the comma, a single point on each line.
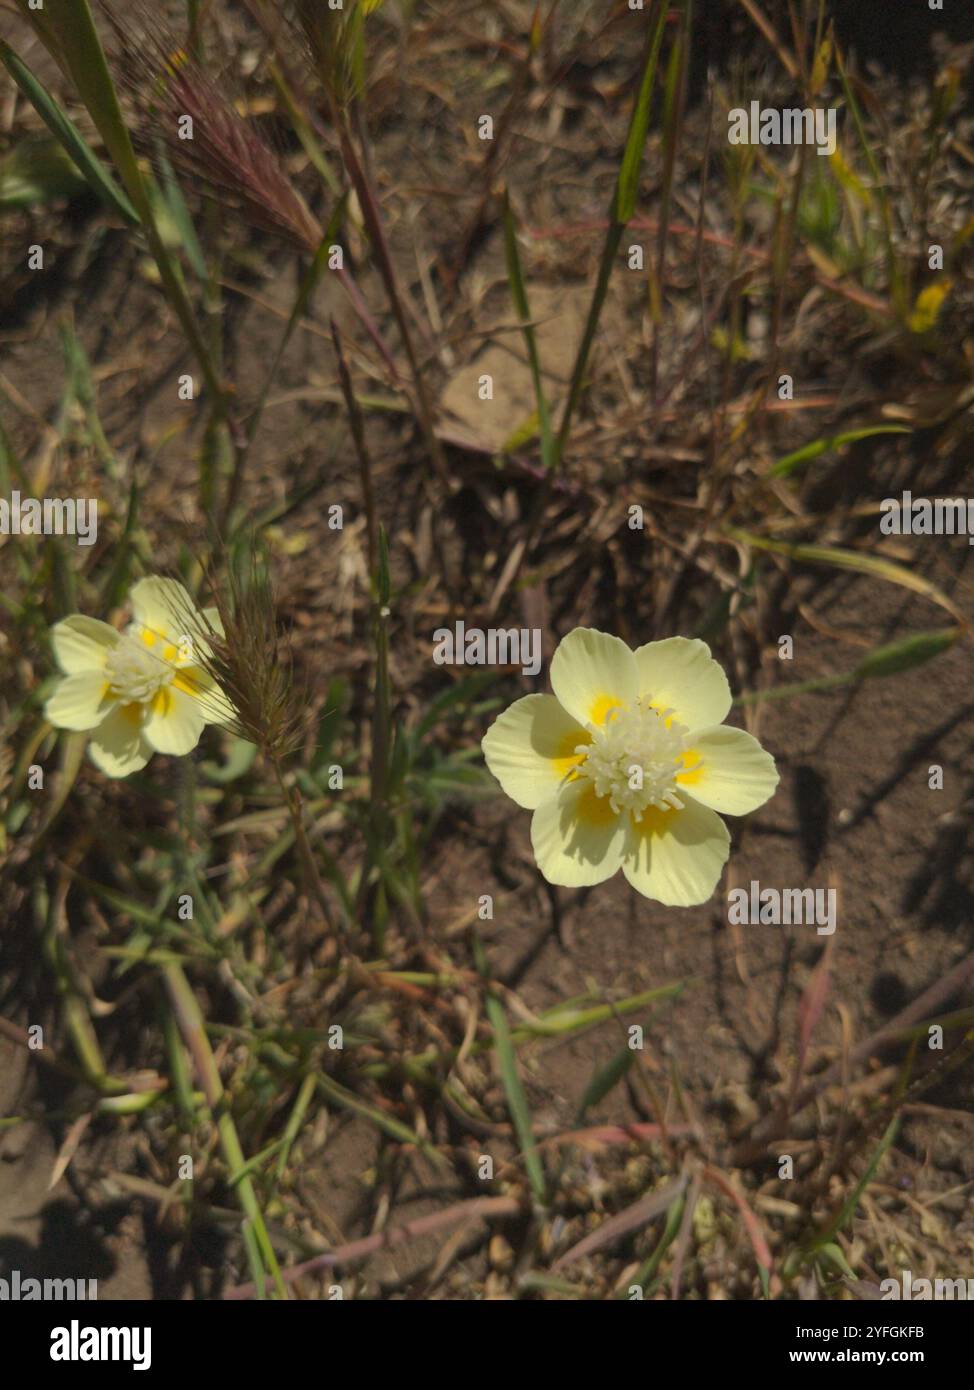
[624, 1222]
[755, 1232]
[478, 1208]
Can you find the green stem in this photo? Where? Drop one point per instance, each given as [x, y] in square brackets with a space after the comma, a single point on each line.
[193, 1030]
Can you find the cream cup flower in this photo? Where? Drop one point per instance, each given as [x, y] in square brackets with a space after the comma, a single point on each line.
[141, 691]
[627, 764]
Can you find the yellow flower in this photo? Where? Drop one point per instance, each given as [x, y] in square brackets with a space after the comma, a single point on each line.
[141, 691]
[627, 764]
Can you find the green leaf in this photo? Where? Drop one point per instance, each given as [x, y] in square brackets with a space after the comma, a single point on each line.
[671, 1229]
[628, 182]
[790, 462]
[906, 653]
[604, 1080]
[348, 1100]
[67, 28]
[465, 690]
[848, 1208]
[519, 294]
[64, 130]
[623, 207]
[81, 50]
[83, 382]
[834, 1255]
[517, 1101]
[36, 173]
[169, 204]
[240, 759]
[881, 661]
[876, 566]
[331, 720]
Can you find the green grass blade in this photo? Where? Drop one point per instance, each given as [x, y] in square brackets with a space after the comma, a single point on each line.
[82, 53]
[517, 1101]
[627, 186]
[253, 1257]
[848, 1208]
[173, 204]
[792, 461]
[519, 294]
[886, 660]
[623, 207]
[61, 126]
[908, 652]
[876, 566]
[897, 287]
[79, 50]
[604, 1080]
[37, 173]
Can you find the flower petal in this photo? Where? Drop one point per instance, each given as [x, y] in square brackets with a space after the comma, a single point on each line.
[680, 674]
[175, 722]
[593, 673]
[117, 747]
[577, 838]
[164, 609]
[214, 705]
[82, 644]
[676, 857]
[80, 701]
[735, 775]
[531, 747]
[212, 619]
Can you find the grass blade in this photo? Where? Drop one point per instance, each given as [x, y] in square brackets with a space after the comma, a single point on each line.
[62, 127]
[519, 294]
[873, 565]
[886, 660]
[517, 1100]
[623, 207]
[818, 447]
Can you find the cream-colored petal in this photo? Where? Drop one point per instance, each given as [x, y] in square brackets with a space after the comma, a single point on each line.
[213, 621]
[675, 857]
[82, 644]
[118, 747]
[79, 702]
[679, 673]
[164, 608]
[592, 673]
[174, 722]
[577, 838]
[196, 631]
[214, 705]
[530, 748]
[733, 775]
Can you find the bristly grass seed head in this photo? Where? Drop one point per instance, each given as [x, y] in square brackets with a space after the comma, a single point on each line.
[204, 134]
[252, 663]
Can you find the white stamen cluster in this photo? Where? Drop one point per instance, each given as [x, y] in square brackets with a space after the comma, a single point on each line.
[134, 675]
[634, 758]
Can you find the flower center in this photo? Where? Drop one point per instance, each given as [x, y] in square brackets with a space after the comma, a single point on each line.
[134, 675]
[634, 758]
